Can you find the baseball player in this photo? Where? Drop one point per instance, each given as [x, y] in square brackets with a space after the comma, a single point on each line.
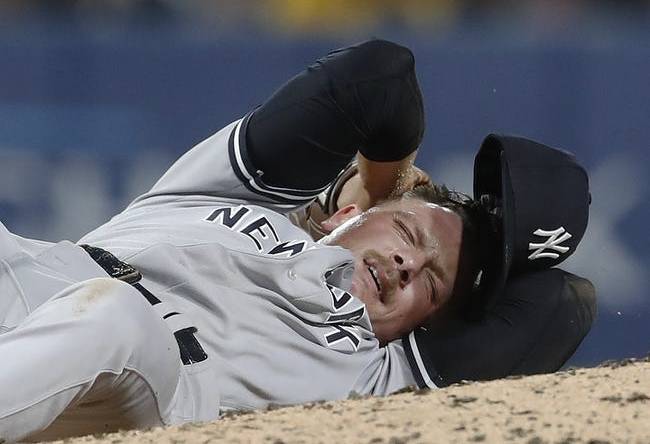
[202, 297]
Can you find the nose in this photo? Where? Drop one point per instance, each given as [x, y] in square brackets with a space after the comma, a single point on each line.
[408, 264]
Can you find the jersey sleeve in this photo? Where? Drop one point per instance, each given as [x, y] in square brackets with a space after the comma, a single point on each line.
[534, 328]
[395, 373]
[288, 150]
[219, 169]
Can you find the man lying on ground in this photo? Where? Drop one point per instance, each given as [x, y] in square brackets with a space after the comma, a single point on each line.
[202, 297]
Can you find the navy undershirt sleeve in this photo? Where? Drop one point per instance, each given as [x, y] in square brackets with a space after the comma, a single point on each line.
[363, 98]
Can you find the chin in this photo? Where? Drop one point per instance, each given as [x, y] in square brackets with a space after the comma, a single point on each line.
[383, 338]
[359, 293]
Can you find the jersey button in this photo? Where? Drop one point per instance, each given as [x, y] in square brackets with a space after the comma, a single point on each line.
[292, 274]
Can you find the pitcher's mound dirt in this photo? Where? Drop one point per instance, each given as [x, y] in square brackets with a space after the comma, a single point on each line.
[610, 403]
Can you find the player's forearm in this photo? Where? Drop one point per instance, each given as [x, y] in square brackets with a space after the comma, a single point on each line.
[376, 181]
[388, 112]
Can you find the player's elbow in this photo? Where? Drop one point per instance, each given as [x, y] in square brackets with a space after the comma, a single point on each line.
[370, 60]
[392, 58]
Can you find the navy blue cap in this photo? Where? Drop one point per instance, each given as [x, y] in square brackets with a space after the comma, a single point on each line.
[537, 204]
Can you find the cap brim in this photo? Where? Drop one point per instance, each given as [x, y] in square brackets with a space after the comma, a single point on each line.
[496, 241]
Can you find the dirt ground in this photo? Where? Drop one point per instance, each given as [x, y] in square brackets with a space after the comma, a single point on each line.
[610, 403]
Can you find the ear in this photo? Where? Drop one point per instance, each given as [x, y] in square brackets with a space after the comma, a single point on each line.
[340, 217]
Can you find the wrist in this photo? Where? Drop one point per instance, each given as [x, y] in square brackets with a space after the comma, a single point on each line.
[353, 191]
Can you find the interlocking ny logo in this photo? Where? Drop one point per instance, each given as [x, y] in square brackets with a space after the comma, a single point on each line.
[555, 238]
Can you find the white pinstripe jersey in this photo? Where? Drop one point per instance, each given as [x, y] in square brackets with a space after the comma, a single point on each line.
[270, 305]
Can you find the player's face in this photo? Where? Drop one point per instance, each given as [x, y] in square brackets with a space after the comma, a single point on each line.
[406, 260]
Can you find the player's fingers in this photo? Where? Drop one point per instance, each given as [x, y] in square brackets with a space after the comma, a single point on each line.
[414, 178]
[421, 178]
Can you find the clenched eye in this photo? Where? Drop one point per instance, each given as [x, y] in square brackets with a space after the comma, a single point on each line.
[432, 288]
[404, 231]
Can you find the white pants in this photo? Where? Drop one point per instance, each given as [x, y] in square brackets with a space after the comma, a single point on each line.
[95, 357]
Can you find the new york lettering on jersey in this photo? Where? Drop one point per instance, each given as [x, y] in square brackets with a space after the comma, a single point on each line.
[258, 228]
[340, 322]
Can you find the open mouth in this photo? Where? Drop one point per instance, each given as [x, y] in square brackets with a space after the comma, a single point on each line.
[375, 278]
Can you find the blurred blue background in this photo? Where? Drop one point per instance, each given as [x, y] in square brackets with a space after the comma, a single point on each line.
[97, 98]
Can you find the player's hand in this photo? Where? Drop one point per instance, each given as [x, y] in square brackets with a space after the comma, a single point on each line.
[355, 190]
[367, 184]
[414, 177]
